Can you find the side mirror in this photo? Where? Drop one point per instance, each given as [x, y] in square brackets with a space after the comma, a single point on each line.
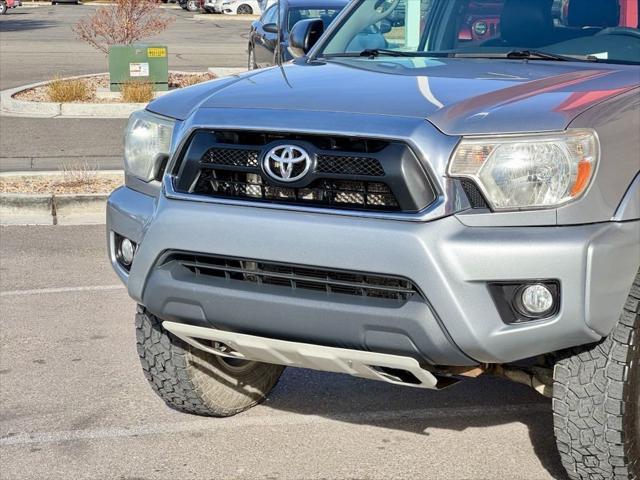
[270, 28]
[304, 35]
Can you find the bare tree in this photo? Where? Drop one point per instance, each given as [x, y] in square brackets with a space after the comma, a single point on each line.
[123, 23]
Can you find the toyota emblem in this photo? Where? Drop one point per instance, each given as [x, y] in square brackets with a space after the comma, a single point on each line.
[286, 163]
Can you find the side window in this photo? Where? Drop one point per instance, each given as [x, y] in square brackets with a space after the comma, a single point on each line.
[325, 14]
[269, 16]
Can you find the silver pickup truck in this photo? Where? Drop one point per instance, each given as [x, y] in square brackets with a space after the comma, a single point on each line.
[432, 190]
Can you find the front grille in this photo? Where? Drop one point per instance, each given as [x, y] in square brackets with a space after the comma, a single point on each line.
[323, 192]
[344, 173]
[296, 276]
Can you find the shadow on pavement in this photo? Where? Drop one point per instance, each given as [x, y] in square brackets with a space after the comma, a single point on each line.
[9, 24]
[356, 401]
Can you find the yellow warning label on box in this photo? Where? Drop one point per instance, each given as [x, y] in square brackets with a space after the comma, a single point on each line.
[157, 52]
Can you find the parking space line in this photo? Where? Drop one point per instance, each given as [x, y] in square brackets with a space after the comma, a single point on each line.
[271, 420]
[42, 291]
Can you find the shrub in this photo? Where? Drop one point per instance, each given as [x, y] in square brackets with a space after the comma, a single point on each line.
[136, 91]
[73, 90]
[123, 23]
[77, 173]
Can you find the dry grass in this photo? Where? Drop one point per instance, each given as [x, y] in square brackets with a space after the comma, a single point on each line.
[63, 183]
[137, 92]
[94, 83]
[74, 177]
[74, 90]
[77, 174]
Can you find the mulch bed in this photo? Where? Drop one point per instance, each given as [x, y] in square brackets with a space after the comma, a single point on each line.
[176, 80]
[61, 184]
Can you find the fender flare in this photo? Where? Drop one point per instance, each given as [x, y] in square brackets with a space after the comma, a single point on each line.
[629, 207]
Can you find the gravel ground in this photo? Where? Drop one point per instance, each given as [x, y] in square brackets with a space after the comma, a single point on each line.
[71, 182]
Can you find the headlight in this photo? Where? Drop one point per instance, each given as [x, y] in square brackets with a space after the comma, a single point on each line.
[528, 172]
[147, 143]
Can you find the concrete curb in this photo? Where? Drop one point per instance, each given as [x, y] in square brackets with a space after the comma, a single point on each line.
[226, 71]
[12, 107]
[49, 209]
[52, 209]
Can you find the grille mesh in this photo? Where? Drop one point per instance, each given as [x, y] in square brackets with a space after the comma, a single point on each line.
[234, 157]
[344, 165]
[297, 276]
[473, 194]
[323, 192]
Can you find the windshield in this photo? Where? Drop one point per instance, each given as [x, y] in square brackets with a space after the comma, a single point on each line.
[297, 13]
[588, 30]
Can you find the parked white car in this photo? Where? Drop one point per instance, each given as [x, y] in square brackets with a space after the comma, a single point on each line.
[233, 7]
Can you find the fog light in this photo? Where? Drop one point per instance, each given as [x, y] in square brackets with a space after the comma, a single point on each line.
[536, 299]
[521, 301]
[126, 252]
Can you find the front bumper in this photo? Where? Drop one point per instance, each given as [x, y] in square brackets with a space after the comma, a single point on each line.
[450, 263]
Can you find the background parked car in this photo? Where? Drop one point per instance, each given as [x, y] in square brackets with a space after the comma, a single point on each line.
[233, 7]
[7, 4]
[263, 36]
[191, 5]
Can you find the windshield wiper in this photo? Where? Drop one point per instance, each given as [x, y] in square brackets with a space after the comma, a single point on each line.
[536, 54]
[528, 55]
[376, 52]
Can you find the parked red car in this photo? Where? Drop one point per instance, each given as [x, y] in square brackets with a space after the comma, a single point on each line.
[7, 4]
[481, 21]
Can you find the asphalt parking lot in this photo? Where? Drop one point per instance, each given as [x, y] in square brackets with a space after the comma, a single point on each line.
[74, 403]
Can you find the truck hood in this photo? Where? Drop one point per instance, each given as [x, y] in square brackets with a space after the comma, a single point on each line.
[459, 96]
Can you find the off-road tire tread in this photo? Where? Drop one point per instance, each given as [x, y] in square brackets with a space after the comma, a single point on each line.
[594, 399]
[190, 380]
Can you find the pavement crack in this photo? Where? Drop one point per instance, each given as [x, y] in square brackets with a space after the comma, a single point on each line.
[54, 209]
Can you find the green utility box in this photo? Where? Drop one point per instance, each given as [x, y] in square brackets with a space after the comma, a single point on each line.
[148, 63]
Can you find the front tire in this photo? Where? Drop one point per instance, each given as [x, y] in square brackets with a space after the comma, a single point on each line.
[193, 6]
[244, 9]
[197, 382]
[3, 8]
[596, 402]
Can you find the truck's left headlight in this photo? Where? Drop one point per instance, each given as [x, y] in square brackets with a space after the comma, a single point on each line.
[529, 172]
[147, 143]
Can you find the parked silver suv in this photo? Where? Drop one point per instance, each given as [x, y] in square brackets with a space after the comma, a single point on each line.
[433, 190]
